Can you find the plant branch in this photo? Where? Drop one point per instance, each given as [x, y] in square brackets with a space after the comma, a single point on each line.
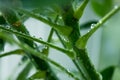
[71, 54]
[37, 54]
[82, 55]
[65, 30]
[18, 52]
[74, 61]
[52, 30]
[82, 41]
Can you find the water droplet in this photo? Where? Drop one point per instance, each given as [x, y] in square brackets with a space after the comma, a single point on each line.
[100, 22]
[60, 17]
[45, 47]
[116, 7]
[92, 26]
[40, 38]
[7, 27]
[66, 40]
[34, 36]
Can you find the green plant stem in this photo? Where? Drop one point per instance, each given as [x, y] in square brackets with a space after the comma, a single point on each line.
[52, 29]
[74, 61]
[71, 54]
[82, 59]
[65, 30]
[51, 32]
[50, 35]
[61, 40]
[104, 19]
[13, 21]
[83, 56]
[37, 54]
[18, 52]
[82, 41]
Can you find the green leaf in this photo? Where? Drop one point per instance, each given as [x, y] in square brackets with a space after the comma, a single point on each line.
[116, 75]
[8, 34]
[18, 51]
[102, 7]
[24, 73]
[38, 75]
[2, 43]
[14, 22]
[30, 4]
[107, 73]
[12, 19]
[79, 12]
[2, 20]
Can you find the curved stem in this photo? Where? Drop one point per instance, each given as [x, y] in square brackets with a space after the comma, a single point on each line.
[41, 56]
[18, 52]
[71, 54]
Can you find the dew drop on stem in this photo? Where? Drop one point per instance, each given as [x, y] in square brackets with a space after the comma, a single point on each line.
[40, 38]
[7, 27]
[60, 17]
[45, 47]
[92, 26]
[100, 22]
[34, 36]
[116, 7]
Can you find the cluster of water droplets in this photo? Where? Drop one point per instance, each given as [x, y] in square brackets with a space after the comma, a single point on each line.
[40, 38]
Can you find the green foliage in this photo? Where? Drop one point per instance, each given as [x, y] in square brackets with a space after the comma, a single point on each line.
[24, 73]
[78, 13]
[2, 42]
[62, 16]
[108, 73]
[82, 41]
[102, 7]
[38, 75]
